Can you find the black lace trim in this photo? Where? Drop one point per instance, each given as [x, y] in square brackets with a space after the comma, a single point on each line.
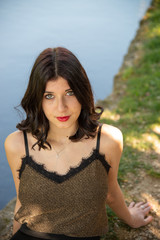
[95, 155]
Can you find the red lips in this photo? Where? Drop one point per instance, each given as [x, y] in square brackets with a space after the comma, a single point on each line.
[63, 119]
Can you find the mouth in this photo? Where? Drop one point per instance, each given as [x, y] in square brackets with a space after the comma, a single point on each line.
[63, 119]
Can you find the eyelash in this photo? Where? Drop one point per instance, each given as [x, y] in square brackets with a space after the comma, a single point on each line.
[50, 96]
[71, 93]
[47, 96]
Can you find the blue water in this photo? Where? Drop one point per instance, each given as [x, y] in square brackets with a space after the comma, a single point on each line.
[98, 32]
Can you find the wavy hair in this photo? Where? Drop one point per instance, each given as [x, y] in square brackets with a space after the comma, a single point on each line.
[49, 65]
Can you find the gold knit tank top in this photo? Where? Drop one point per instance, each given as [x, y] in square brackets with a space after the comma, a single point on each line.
[73, 204]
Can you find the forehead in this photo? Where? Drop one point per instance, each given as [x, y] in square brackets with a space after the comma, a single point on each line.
[56, 85]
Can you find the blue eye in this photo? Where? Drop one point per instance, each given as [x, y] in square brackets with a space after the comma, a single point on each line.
[49, 96]
[70, 93]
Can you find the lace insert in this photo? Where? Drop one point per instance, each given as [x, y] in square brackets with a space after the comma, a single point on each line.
[54, 176]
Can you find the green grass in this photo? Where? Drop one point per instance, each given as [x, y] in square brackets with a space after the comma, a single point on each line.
[153, 173]
[139, 108]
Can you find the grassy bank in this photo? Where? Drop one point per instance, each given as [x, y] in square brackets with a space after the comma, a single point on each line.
[137, 111]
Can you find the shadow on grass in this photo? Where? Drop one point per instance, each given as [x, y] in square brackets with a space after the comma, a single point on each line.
[138, 154]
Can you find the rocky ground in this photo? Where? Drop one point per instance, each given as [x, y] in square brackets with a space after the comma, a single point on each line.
[6, 219]
[140, 186]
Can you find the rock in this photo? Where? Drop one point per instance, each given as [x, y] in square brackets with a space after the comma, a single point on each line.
[6, 220]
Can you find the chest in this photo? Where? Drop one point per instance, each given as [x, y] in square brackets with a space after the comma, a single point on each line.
[84, 185]
[69, 157]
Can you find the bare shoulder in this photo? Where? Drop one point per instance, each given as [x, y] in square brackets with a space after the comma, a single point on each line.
[14, 146]
[111, 134]
[15, 150]
[14, 142]
[111, 142]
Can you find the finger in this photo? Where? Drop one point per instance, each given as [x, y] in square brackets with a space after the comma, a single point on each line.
[150, 205]
[131, 204]
[148, 220]
[147, 210]
[139, 204]
[145, 205]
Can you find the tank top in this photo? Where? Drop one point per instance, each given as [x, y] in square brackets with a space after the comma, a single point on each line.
[73, 204]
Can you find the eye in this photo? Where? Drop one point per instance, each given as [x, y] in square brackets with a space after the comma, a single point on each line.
[70, 93]
[49, 96]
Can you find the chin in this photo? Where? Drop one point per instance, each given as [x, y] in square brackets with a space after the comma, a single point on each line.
[65, 125]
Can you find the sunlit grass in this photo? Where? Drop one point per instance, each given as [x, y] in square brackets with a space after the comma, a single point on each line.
[153, 173]
[155, 128]
[127, 73]
[137, 114]
[155, 32]
[107, 114]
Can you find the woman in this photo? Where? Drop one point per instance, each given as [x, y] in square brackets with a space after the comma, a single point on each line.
[64, 162]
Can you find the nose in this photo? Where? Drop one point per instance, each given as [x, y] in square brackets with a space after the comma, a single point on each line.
[61, 105]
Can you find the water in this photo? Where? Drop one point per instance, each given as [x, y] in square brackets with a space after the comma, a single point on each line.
[98, 32]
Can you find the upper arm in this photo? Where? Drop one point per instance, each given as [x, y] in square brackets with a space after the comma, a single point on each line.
[112, 146]
[14, 148]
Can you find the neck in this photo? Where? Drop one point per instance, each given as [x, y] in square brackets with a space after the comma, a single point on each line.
[61, 135]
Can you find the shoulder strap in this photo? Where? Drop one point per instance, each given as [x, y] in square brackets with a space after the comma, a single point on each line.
[26, 143]
[98, 138]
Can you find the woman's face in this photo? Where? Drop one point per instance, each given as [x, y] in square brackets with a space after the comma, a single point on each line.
[60, 105]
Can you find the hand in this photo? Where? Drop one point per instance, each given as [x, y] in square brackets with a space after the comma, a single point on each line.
[139, 212]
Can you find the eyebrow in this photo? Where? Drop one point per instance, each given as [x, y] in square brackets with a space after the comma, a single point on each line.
[53, 92]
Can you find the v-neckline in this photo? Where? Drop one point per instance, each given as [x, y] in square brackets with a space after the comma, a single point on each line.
[58, 178]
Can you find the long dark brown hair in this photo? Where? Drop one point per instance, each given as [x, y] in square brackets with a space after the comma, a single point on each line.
[51, 64]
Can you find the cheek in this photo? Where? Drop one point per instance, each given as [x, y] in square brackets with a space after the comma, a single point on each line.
[78, 109]
[45, 108]
[76, 105]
